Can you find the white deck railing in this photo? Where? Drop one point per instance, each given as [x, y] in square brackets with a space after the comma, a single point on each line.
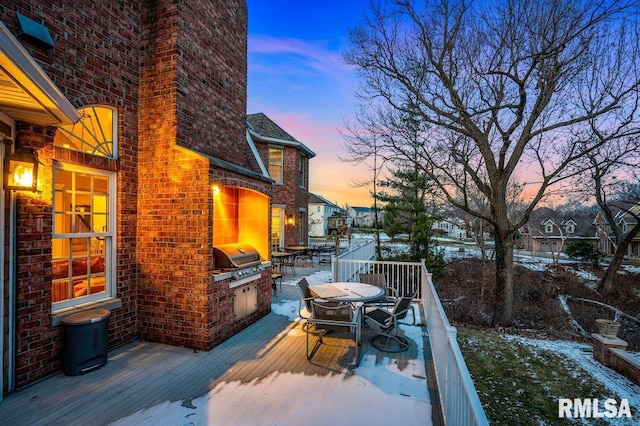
[458, 397]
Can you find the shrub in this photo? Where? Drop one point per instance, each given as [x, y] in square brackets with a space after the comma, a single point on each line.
[584, 250]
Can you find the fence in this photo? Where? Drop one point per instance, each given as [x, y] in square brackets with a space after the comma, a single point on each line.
[403, 277]
[458, 397]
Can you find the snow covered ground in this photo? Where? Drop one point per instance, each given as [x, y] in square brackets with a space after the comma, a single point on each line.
[582, 355]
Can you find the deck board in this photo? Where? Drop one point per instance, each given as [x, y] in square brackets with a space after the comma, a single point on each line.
[143, 374]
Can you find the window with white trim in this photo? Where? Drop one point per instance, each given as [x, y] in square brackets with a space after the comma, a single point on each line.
[276, 164]
[83, 240]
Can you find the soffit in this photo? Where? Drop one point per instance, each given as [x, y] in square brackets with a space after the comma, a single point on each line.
[26, 92]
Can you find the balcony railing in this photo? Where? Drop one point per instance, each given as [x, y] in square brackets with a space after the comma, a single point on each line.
[458, 397]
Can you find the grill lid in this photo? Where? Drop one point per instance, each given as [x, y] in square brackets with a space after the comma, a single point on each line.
[235, 256]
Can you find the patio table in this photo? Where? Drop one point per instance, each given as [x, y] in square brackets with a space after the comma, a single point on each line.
[298, 252]
[355, 293]
[280, 257]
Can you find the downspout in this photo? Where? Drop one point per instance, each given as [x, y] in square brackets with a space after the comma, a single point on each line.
[11, 375]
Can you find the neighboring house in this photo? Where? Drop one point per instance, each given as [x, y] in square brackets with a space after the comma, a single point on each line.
[549, 231]
[454, 228]
[625, 217]
[135, 112]
[287, 160]
[320, 210]
[363, 217]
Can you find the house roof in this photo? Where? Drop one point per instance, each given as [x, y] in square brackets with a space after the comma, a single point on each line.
[263, 128]
[362, 209]
[318, 199]
[620, 210]
[582, 221]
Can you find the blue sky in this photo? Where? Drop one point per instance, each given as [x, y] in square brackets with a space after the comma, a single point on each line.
[296, 76]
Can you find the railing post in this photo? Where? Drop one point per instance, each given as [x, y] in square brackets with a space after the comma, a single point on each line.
[334, 268]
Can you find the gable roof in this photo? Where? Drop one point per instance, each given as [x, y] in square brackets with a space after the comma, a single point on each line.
[318, 199]
[264, 129]
[362, 209]
[581, 220]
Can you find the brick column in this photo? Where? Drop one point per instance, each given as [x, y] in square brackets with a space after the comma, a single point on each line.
[601, 346]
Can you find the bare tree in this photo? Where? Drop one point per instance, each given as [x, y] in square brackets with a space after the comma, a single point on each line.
[618, 201]
[503, 87]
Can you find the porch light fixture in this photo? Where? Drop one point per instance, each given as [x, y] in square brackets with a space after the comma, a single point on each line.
[290, 220]
[21, 170]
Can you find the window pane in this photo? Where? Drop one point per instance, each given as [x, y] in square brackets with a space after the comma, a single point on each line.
[94, 133]
[275, 164]
[83, 182]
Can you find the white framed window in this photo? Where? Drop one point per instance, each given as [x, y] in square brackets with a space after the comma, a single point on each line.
[95, 133]
[548, 228]
[276, 164]
[83, 239]
[302, 171]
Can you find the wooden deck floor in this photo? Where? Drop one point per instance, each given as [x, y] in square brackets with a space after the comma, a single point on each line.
[143, 374]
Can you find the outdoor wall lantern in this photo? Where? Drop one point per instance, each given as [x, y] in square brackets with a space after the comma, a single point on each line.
[290, 220]
[21, 170]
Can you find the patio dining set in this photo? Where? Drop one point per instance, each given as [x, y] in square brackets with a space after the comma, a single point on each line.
[346, 307]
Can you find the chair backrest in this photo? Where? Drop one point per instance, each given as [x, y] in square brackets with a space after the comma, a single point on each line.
[379, 280]
[402, 306]
[303, 286]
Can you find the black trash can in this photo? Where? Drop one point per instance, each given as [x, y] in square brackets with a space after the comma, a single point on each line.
[86, 335]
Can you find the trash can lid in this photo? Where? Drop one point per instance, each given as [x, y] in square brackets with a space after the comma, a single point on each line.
[87, 317]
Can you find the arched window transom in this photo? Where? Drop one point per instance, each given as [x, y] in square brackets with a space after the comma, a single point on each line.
[94, 133]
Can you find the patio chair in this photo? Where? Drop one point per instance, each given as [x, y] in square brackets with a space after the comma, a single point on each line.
[307, 298]
[289, 261]
[379, 280]
[389, 340]
[390, 294]
[340, 317]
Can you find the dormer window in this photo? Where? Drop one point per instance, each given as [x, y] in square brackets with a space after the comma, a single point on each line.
[570, 228]
[548, 228]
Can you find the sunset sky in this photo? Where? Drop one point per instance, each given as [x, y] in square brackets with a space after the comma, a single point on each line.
[296, 77]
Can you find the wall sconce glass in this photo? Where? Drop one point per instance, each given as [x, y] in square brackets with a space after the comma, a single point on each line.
[21, 170]
[290, 220]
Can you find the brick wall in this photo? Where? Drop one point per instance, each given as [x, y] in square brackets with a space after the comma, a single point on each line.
[193, 95]
[95, 60]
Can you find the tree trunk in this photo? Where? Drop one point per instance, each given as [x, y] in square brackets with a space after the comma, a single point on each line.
[503, 314]
[606, 285]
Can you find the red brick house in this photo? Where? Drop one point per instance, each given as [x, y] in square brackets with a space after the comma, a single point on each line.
[287, 160]
[136, 113]
[549, 231]
[625, 215]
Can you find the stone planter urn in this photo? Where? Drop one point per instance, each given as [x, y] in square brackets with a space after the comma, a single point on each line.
[608, 328]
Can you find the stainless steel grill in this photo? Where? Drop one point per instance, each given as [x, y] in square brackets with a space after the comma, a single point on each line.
[241, 260]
